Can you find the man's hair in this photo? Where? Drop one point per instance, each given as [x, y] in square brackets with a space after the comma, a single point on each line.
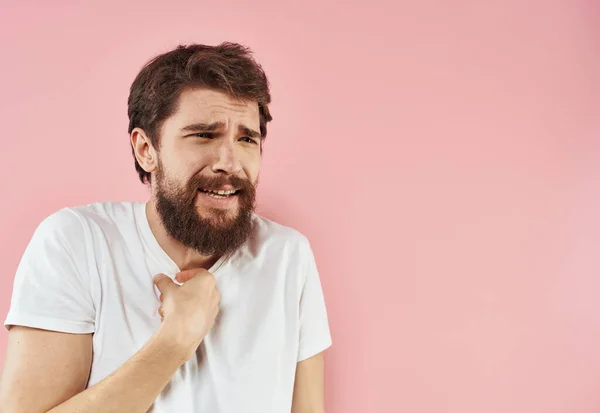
[228, 68]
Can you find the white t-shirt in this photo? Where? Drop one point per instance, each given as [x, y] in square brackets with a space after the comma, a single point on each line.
[89, 269]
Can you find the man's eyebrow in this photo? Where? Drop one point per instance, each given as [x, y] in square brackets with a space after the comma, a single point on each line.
[250, 132]
[211, 127]
[204, 127]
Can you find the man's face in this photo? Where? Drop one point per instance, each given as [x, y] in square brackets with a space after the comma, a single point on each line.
[208, 166]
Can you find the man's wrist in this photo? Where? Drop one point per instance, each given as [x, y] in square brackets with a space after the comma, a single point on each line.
[171, 346]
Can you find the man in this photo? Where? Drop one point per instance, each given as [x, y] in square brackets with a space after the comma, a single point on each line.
[190, 302]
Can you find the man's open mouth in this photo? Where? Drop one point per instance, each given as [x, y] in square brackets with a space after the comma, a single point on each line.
[219, 194]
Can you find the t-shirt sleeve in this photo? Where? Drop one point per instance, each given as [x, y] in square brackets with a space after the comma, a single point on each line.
[51, 289]
[315, 335]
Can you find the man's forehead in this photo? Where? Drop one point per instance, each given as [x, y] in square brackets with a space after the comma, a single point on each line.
[207, 106]
[214, 100]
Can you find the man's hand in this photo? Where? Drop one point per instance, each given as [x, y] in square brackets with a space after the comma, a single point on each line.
[188, 311]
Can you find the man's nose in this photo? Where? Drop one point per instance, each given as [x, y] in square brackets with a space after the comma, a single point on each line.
[227, 159]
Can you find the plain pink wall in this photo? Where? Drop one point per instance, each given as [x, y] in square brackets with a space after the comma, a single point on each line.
[443, 157]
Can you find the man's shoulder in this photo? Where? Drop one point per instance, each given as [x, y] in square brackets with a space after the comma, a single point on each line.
[70, 223]
[269, 232]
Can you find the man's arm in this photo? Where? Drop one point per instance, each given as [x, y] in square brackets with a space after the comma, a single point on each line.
[309, 386]
[47, 371]
[43, 368]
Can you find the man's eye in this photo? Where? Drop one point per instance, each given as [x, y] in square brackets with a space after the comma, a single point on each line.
[249, 140]
[203, 135]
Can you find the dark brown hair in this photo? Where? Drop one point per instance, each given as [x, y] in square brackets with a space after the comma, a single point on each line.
[228, 67]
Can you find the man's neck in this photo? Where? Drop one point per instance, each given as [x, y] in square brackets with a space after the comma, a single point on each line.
[184, 257]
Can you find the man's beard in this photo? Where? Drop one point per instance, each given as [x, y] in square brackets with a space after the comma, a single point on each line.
[212, 232]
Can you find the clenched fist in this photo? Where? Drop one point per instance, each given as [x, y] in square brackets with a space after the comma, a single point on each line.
[188, 311]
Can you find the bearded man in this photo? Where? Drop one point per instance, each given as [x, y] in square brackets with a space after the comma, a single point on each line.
[189, 302]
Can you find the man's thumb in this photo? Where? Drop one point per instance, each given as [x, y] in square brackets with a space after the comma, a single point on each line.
[163, 282]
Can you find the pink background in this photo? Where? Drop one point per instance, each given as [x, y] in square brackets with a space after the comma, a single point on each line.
[443, 158]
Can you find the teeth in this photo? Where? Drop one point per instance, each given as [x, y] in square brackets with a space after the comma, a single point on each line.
[221, 193]
[215, 195]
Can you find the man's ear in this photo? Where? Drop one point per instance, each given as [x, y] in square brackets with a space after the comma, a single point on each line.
[145, 153]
